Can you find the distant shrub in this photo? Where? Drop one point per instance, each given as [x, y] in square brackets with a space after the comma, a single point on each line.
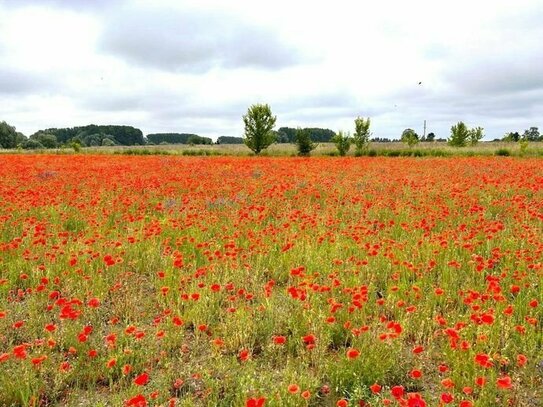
[343, 142]
[144, 151]
[33, 145]
[195, 152]
[523, 144]
[504, 152]
[304, 143]
[107, 142]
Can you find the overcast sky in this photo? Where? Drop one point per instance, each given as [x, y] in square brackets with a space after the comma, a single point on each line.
[196, 66]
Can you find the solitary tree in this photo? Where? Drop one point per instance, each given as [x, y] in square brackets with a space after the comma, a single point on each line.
[511, 136]
[304, 143]
[430, 137]
[361, 136]
[410, 137]
[459, 135]
[259, 124]
[343, 142]
[532, 134]
[475, 135]
[8, 136]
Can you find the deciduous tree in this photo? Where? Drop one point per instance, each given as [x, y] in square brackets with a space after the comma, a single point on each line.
[259, 123]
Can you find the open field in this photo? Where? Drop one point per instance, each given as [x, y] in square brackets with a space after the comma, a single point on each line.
[484, 148]
[535, 149]
[275, 281]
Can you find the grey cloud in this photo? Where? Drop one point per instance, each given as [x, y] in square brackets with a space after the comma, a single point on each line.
[17, 81]
[193, 41]
[500, 75]
[326, 99]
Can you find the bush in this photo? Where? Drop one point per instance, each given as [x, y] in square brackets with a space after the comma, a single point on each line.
[459, 135]
[410, 137]
[504, 152]
[107, 142]
[343, 142]
[33, 145]
[523, 146]
[361, 136]
[304, 143]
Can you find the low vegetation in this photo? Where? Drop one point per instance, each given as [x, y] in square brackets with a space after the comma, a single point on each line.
[250, 281]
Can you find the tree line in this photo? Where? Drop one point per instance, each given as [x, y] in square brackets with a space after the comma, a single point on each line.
[259, 134]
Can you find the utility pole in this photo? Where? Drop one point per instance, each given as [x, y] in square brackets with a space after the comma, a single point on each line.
[424, 132]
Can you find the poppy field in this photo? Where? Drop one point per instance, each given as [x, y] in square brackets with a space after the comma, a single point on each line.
[244, 281]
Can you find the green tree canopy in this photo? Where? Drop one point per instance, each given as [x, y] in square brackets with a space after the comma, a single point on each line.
[459, 135]
[410, 137]
[532, 134]
[304, 143]
[259, 123]
[229, 140]
[361, 136]
[8, 136]
[47, 140]
[317, 134]
[430, 137]
[474, 135]
[343, 142]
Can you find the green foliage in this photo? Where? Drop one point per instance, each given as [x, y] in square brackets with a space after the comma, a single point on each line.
[197, 140]
[92, 135]
[304, 143]
[75, 145]
[523, 144]
[532, 134]
[259, 123]
[107, 142]
[288, 134]
[430, 137]
[229, 140]
[8, 136]
[47, 140]
[343, 142]
[475, 135]
[33, 144]
[459, 135]
[511, 136]
[361, 136]
[410, 137]
[177, 138]
[503, 152]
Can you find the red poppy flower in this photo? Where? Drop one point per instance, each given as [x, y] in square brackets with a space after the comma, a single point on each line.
[255, 402]
[353, 353]
[504, 382]
[141, 380]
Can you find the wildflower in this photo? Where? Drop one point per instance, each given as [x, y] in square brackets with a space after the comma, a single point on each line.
[353, 353]
[141, 380]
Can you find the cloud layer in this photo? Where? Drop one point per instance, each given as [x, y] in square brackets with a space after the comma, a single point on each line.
[197, 65]
[193, 41]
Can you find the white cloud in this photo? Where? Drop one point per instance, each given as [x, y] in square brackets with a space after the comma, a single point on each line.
[197, 65]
